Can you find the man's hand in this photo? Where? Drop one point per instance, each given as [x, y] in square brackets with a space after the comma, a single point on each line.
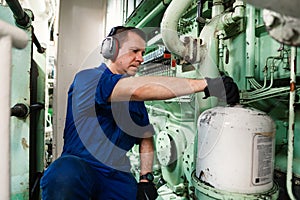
[146, 191]
[224, 88]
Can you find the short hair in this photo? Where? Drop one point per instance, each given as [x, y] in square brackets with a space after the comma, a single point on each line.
[121, 32]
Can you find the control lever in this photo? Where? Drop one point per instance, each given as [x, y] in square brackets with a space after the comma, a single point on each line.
[21, 110]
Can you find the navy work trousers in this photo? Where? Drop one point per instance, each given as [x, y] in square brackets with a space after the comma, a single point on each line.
[70, 178]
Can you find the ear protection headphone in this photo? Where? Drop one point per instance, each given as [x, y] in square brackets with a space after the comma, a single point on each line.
[110, 48]
[110, 45]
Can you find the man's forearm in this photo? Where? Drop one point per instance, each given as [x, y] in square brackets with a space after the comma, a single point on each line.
[146, 155]
[155, 88]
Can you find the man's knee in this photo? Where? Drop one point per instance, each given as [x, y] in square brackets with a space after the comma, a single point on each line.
[64, 175]
[66, 168]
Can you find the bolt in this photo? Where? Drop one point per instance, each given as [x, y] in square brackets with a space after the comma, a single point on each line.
[186, 39]
[187, 58]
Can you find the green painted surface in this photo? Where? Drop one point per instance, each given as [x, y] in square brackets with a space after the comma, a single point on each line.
[265, 54]
[21, 196]
[20, 93]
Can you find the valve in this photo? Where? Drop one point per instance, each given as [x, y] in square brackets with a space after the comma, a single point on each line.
[21, 110]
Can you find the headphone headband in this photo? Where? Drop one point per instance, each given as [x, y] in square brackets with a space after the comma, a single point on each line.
[119, 29]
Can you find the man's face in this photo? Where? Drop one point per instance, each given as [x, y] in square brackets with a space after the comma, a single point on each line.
[130, 55]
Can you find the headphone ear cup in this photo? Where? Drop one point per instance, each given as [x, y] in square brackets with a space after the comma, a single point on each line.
[110, 48]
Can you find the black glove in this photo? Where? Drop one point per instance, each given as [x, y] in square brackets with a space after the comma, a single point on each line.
[146, 191]
[224, 88]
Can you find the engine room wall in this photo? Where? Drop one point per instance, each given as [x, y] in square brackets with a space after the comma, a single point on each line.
[81, 28]
[89, 22]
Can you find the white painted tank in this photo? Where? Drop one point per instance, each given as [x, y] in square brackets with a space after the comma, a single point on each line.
[236, 149]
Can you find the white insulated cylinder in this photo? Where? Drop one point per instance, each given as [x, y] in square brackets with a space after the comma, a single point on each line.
[236, 147]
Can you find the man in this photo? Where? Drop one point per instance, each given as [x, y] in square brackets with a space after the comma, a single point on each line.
[106, 116]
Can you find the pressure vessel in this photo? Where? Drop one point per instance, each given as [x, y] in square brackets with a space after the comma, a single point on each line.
[236, 147]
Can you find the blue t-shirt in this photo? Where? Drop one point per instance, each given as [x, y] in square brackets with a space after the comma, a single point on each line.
[98, 131]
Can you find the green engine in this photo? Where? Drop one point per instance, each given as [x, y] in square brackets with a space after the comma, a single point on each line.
[199, 39]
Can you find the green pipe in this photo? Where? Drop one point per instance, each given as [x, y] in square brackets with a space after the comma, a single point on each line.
[158, 9]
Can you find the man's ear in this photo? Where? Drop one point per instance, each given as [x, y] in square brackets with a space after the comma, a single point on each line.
[110, 48]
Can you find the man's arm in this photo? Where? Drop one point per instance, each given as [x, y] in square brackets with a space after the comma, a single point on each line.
[155, 88]
[146, 188]
[146, 156]
[162, 87]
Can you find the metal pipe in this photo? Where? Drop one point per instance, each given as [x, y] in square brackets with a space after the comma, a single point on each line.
[272, 93]
[272, 70]
[20, 15]
[199, 9]
[23, 21]
[199, 18]
[169, 25]
[36, 42]
[236, 15]
[10, 36]
[16, 8]
[254, 83]
[5, 43]
[250, 41]
[217, 8]
[168, 113]
[289, 176]
[152, 14]
[18, 41]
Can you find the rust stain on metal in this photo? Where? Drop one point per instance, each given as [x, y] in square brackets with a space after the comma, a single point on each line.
[267, 134]
[292, 86]
[24, 144]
